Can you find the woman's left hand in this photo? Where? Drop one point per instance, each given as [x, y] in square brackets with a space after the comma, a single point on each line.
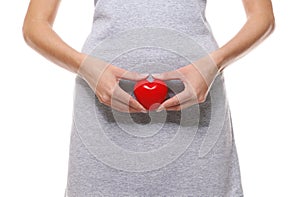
[197, 78]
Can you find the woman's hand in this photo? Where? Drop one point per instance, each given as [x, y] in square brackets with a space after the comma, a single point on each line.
[104, 78]
[197, 78]
[260, 18]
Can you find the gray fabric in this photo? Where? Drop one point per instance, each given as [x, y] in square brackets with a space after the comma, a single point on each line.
[175, 153]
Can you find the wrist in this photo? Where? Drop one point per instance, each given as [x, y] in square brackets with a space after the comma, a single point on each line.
[218, 59]
[207, 68]
[91, 69]
[79, 60]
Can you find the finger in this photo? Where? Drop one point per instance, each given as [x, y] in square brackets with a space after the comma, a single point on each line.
[181, 107]
[169, 75]
[122, 107]
[177, 99]
[129, 75]
[124, 97]
[117, 105]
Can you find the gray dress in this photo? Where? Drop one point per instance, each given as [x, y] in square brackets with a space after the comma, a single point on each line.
[169, 153]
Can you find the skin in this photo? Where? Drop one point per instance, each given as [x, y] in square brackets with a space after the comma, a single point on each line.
[38, 33]
[198, 76]
[103, 77]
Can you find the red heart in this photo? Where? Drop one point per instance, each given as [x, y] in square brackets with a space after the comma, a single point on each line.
[150, 94]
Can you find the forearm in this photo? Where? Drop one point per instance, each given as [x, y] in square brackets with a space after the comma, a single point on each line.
[41, 37]
[38, 33]
[258, 26]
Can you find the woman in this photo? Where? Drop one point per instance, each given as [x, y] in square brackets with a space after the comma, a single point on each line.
[198, 160]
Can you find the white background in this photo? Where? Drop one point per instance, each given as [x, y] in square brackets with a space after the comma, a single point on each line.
[36, 101]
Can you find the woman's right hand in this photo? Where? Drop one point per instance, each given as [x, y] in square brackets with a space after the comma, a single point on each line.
[104, 78]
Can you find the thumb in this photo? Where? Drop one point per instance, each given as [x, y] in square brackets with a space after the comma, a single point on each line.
[134, 76]
[169, 75]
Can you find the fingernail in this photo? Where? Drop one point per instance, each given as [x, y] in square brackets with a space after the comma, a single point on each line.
[159, 109]
[155, 74]
[144, 74]
[143, 111]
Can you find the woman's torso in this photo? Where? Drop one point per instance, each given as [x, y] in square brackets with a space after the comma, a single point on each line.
[174, 153]
[184, 16]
